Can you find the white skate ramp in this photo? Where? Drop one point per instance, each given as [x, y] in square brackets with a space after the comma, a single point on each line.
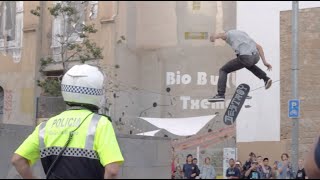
[180, 126]
[149, 133]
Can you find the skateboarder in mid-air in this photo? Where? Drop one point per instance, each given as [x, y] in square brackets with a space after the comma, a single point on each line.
[248, 54]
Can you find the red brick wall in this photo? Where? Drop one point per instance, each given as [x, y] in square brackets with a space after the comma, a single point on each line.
[309, 75]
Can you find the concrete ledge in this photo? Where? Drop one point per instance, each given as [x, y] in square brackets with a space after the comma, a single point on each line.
[30, 28]
[57, 66]
[106, 20]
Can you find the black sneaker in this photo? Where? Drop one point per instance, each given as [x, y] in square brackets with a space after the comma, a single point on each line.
[268, 83]
[217, 98]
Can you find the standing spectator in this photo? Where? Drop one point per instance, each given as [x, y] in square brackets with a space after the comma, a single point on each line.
[259, 159]
[301, 174]
[247, 164]
[207, 171]
[195, 162]
[178, 170]
[189, 169]
[275, 171]
[252, 173]
[173, 163]
[266, 170]
[260, 164]
[172, 167]
[232, 172]
[285, 167]
[240, 167]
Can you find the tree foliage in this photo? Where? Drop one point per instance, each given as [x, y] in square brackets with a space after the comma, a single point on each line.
[74, 42]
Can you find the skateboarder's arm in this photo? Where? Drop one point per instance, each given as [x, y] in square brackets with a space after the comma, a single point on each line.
[261, 53]
[218, 36]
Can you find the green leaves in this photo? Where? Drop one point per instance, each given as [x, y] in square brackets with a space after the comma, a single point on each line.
[62, 9]
[36, 11]
[92, 50]
[89, 29]
[68, 10]
[55, 10]
[44, 62]
[50, 86]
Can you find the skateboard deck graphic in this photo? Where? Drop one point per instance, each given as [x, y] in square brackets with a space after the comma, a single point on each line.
[236, 104]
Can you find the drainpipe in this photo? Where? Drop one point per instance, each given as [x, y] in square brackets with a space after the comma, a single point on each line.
[113, 18]
[40, 33]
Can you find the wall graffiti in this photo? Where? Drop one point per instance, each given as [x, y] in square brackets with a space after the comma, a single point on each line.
[205, 140]
[8, 103]
[1, 100]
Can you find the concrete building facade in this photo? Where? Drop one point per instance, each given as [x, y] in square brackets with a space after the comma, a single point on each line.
[159, 52]
[25, 39]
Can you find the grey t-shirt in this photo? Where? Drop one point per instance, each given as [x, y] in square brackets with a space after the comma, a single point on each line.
[241, 43]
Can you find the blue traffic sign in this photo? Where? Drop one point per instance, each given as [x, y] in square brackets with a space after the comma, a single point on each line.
[294, 108]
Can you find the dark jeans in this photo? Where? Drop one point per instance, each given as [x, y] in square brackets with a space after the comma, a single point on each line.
[242, 61]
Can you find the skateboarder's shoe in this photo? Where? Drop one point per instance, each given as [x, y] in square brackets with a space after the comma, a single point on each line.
[268, 83]
[216, 98]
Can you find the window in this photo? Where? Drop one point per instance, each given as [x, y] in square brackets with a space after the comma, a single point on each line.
[11, 23]
[93, 13]
[68, 28]
[77, 20]
[8, 20]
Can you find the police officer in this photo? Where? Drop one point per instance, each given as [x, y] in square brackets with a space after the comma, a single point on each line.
[78, 143]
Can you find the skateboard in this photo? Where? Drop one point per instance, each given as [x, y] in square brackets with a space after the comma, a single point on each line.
[236, 104]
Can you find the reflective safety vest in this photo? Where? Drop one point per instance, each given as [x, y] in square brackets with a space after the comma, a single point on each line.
[80, 159]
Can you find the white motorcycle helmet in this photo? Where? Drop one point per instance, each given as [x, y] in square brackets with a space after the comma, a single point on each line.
[83, 84]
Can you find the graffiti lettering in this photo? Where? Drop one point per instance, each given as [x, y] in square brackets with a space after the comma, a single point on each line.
[196, 104]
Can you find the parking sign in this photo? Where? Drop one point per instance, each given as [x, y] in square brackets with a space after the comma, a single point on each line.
[294, 108]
